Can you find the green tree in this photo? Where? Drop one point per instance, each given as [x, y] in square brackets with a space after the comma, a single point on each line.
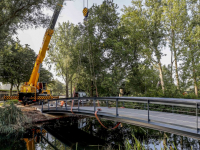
[45, 76]
[98, 37]
[155, 33]
[57, 87]
[20, 14]
[61, 51]
[191, 42]
[175, 15]
[17, 65]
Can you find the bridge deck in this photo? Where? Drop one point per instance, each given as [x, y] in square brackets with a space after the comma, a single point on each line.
[181, 124]
[187, 121]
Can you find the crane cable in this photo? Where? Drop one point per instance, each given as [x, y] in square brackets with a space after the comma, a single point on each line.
[84, 3]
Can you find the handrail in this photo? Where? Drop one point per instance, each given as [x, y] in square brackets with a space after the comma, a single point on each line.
[191, 103]
[152, 100]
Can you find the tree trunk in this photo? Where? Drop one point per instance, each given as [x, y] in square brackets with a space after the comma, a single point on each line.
[194, 77]
[71, 89]
[91, 91]
[66, 89]
[171, 66]
[194, 73]
[11, 86]
[17, 88]
[161, 77]
[175, 59]
[176, 68]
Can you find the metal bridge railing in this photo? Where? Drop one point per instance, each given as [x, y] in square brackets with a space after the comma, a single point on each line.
[149, 104]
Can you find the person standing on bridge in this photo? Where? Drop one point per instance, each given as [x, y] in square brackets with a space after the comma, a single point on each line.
[62, 103]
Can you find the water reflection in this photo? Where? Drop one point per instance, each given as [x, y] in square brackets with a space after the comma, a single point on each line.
[86, 133]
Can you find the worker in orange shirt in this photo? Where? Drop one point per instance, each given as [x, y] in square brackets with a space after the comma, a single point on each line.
[62, 103]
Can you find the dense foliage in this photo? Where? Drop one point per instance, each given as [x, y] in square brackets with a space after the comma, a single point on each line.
[21, 14]
[108, 52]
[17, 65]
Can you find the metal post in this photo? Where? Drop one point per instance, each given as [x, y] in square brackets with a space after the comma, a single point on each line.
[123, 103]
[117, 107]
[94, 103]
[41, 132]
[66, 104]
[48, 105]
[78, 104]
[148, 109]
[107, 103]
[197, 116]
[42, 105]
[56, 105]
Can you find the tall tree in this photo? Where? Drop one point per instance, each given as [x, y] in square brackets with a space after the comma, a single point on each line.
[18, 63]
[20, 14]
[61, 51]
[175, 14]
[191, 42]
[98, 45]
[155, 33]
[134, 51]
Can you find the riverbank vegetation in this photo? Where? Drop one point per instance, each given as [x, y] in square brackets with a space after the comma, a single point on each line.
[12, 119]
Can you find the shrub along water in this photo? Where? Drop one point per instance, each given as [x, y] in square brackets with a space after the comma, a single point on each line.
[12, 119]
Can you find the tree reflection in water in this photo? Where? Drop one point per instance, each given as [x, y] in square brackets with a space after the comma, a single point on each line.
[87, 133]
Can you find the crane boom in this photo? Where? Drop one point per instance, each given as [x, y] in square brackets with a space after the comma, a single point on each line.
[33, 90]
[47, 37]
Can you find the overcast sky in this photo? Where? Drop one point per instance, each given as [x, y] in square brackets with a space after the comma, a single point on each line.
[71, 12]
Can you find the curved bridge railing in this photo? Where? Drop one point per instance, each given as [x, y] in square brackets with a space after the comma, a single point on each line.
[169, 114]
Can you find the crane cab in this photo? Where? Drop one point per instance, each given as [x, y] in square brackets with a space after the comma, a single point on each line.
[42, 88]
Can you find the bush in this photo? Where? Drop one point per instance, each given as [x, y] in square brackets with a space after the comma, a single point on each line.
[12, 119]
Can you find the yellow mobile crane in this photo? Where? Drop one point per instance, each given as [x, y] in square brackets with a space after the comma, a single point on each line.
[33, 90]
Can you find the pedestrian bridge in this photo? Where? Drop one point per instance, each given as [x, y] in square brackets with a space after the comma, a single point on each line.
[173, 115]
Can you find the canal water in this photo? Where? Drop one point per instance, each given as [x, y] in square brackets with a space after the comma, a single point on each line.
[79, 133]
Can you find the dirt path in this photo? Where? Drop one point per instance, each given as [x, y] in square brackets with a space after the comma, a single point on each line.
[33, 112]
